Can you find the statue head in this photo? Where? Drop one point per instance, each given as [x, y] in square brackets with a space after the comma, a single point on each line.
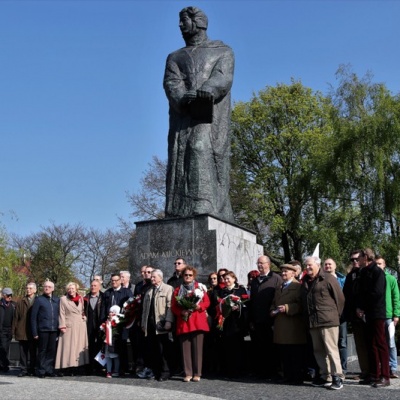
[193, 24]
[199, 19]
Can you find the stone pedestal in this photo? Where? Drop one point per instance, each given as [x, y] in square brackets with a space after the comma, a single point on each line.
[203, 241]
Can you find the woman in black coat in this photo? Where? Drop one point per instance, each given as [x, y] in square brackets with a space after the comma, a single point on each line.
[231, 311]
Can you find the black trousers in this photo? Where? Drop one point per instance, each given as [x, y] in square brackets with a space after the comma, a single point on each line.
[158, 350]
[95, 345]
[47, 350]
[267, 360]
[5, 340]
[292, 361]
[27, 355]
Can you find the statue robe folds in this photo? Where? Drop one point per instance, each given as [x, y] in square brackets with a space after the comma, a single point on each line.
[199, 150]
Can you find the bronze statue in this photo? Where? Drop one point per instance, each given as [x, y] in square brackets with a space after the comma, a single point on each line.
[197, 82]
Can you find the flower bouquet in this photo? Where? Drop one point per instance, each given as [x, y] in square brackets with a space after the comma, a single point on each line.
[227, 305]
[189, 301]
[112, 327]
[131, 310]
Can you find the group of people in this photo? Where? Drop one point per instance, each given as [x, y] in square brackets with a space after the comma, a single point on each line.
[297, 321]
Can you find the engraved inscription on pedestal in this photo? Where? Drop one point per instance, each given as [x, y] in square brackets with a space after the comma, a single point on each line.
[203, 241]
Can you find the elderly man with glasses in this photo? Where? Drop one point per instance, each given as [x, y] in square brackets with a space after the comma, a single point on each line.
[44, 323]
[23, 333]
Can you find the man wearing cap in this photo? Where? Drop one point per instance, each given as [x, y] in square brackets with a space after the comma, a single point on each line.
[289, 327]
[7, 307]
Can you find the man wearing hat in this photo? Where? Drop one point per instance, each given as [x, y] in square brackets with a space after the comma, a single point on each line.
[290, 334]
[7, 307]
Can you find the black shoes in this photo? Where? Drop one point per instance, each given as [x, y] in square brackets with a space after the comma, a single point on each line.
[337, 383]
[381, 383]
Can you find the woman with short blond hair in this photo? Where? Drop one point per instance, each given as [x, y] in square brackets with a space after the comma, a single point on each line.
[73, 347]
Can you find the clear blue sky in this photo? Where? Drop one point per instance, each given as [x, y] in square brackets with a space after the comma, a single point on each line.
[82, 108]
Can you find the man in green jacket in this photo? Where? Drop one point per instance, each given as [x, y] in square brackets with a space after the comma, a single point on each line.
[392, 314]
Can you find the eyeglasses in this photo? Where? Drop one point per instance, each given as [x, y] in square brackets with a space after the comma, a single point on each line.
[214, 278]
[188, 275]
[8, 295]
[148, 272]
[178, 263]
[115, 280]
[354, 259]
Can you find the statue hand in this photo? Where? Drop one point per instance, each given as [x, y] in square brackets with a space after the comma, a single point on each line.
[189, 96]
[205, 94]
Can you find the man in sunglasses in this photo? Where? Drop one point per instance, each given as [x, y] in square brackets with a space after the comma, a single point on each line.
[136, 336]
[7, 307]
[350, 315]
[176, 279]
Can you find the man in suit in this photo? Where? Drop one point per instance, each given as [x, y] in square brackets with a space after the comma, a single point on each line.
[157, 319]
[92, 303]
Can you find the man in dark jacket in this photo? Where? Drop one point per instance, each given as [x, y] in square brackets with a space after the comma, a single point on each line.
[350, 315]
[44, 324]
[92, 307]
[23, 332]
[176, 279]
[323, 302]
[7, 308]
[371, 307]
[262, 293]
[117, 295]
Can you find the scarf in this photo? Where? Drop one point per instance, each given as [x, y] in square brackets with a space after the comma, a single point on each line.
[77, 299]
[108, 330]
[187, 288]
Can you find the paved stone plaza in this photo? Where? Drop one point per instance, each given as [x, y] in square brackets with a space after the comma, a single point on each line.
[95, 387]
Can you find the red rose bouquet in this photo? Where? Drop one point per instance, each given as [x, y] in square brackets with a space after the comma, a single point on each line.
[131, 310]
[227, 305]
[189, 301]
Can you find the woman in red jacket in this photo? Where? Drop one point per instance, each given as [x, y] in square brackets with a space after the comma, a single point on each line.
[189, 304]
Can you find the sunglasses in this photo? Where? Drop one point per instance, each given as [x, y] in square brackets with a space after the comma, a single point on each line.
[354, 259]
[188, 275]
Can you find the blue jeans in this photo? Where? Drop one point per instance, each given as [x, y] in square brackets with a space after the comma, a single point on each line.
[392, 347]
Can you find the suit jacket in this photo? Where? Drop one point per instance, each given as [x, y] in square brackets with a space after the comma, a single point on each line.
[289, 327]
[93, 316]
[113, 297]
[22, 320]
[162, 307]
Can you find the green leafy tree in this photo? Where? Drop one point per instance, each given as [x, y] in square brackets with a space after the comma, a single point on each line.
[280, 138]
[55, 253]
[10, 266]
[364, 169]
